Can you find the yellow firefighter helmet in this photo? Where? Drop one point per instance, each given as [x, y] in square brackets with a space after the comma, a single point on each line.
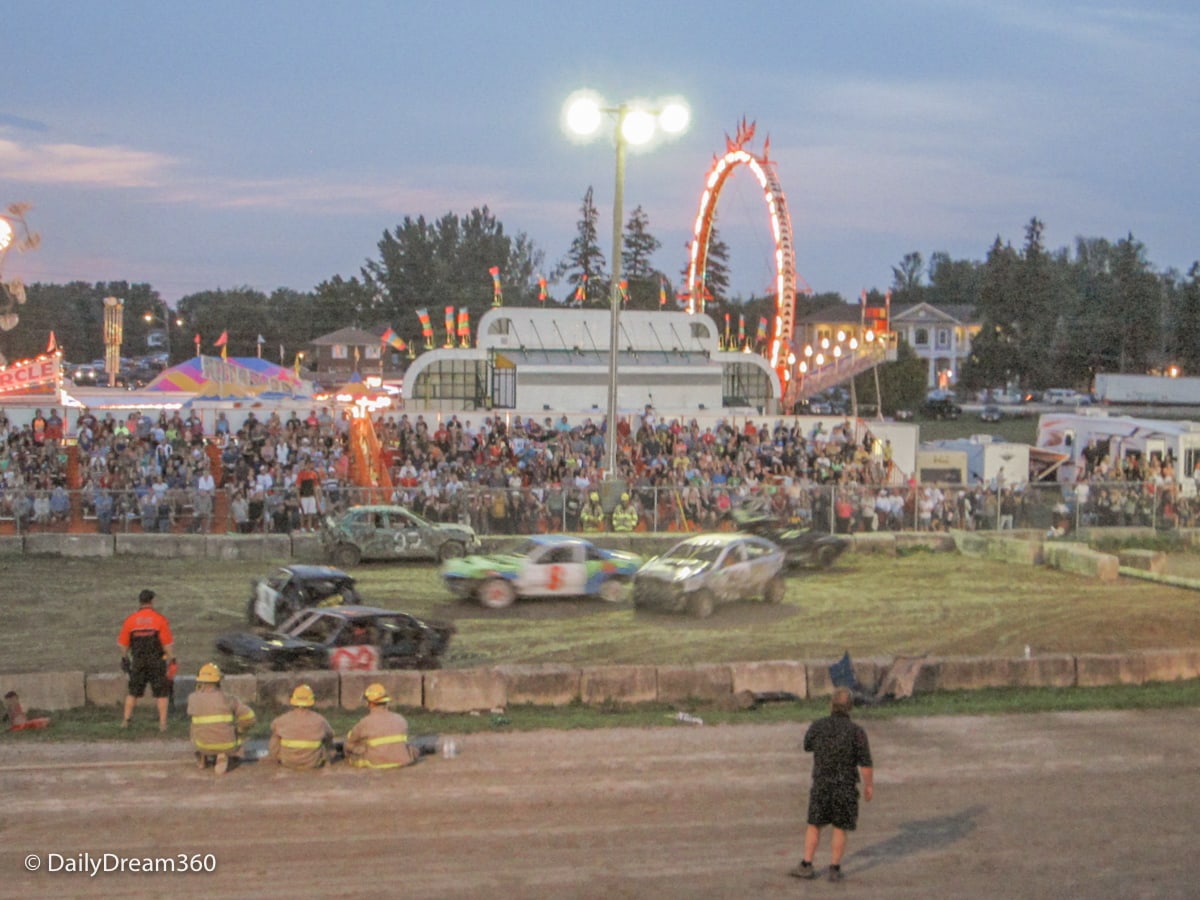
[376, 693]
[302, 696]
[209, 674]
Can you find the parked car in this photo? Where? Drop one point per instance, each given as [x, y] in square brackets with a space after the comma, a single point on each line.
[990, 414]
[1064, 397]
[702, 571]
[345, 638]
[292, 588]
[940, 408]
[804, 548]
[542, 566]
[392, 532]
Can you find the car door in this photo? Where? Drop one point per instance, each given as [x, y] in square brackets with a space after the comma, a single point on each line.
[409, 538]
[728, 574]
[559, 570]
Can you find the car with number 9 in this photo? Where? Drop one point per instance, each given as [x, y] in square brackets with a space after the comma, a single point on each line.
[542, 566]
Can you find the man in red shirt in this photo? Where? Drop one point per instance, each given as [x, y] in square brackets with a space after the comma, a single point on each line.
[147, 649]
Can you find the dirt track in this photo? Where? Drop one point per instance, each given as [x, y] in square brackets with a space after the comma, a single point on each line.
[1073, 805]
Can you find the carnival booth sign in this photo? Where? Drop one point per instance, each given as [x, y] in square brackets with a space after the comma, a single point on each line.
[31, 376]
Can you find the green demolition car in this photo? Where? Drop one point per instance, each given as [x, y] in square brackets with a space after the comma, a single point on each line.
[542, 566]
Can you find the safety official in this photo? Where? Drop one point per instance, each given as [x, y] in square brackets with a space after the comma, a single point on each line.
[219, 720]
[380, 739]
[301, 738]
[624, 515]
[591, 517]
[147, 650]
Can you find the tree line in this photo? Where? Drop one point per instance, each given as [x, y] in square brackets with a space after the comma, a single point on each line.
[1049, 317]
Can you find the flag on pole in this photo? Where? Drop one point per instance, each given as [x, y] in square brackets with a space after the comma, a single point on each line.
[741, 330]
[449, 326]
[541, 288]
[222, 342]
[497, 293]
[662, 291]
[727, 344]
[762, 330]
[862, 298]
[52, 344]
[258, 345]
[426, 328]
[197, 342]
[623, 287]
[393, 340]
[581, 290]
[464, 328]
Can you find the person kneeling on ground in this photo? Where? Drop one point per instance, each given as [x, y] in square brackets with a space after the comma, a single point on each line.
[301, 738]
[218, 720]
[380, 739]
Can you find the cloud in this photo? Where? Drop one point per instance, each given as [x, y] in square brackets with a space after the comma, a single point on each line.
[11, 121]
[76, 164]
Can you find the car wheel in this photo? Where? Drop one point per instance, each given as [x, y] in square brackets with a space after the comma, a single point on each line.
[346, 555]
[826, 556]
[496, 593]
[613, 590]
[451, 550]
[701, 603]
[775, 590]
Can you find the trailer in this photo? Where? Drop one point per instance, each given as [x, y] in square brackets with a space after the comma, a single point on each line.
[985, 459]
[1096, 435]
[1149, 389]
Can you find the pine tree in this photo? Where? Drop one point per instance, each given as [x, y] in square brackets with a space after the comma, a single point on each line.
[585, 257]
[639, 246]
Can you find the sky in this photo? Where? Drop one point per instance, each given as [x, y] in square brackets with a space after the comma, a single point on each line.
[271, 144]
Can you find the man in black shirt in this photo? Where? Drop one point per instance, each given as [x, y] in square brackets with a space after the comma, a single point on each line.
[840, 751]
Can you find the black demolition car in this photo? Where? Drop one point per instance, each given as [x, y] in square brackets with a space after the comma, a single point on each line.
[805, 548]
[291, 588]
[344, 638]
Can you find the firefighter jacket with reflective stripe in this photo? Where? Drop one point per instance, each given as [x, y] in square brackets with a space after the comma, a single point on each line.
[218, 720]
[380, 741]
[300, 739]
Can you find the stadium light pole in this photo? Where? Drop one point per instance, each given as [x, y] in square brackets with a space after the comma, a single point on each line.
[635, 124]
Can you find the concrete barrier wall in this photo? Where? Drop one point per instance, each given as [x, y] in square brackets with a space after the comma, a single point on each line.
[1079, 559]
[469, 690]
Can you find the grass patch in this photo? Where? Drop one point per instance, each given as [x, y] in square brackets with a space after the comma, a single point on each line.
[63, 614]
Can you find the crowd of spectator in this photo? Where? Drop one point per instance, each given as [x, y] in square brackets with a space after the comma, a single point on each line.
[166, 472]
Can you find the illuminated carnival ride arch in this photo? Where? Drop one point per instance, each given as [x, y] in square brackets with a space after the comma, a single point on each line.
[780, 336]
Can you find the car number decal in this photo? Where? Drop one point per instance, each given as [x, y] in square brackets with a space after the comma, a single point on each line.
[363, 658]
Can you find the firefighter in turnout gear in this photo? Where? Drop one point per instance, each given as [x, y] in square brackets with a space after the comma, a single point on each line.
[625, 515]
[380, 739]
[592, 517]
[301, 738]
[218, 720]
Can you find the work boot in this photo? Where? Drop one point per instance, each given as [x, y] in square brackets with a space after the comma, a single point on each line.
[803, 870]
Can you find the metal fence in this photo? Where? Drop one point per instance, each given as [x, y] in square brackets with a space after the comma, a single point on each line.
[837, 508]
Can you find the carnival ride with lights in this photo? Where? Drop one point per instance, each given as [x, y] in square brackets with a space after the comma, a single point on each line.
[821, 366]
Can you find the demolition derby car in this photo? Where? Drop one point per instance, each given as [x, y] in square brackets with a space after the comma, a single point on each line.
[292, 588]
[702, 571]
[392, 532]
[542, 566]
[344, 638]
[805, 548]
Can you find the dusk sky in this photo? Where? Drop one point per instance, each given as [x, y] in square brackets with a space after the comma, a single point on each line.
[270, 144]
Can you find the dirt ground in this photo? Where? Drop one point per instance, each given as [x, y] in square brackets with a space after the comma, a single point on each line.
[1090, 805]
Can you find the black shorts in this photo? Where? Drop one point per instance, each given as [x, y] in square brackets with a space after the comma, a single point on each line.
[834, 804]
[153, 674]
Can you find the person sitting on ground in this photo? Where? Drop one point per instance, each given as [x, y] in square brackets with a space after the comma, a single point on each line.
[380, 739]
[301, 738]
[219, 721]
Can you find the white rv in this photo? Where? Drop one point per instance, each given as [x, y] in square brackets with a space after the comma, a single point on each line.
[1075, 434]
